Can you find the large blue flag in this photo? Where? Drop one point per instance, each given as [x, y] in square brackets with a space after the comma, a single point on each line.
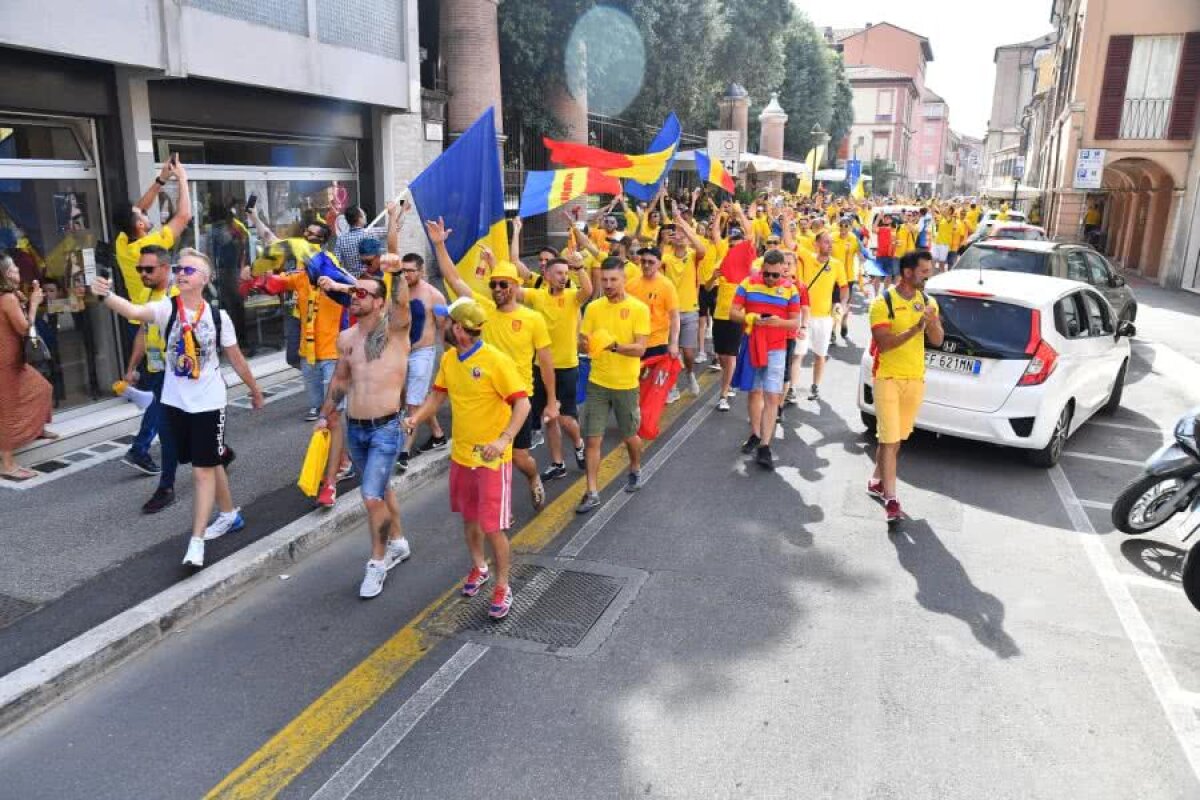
[667, 137]
[465, 187]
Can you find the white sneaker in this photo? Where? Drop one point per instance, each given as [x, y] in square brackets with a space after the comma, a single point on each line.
[398, 552]
[372, 582]
[536, 439]
[732, 393]
[672, 396]
[693, 385]
[231, 522]
[722, 404]
[195, 552]
[701, 357]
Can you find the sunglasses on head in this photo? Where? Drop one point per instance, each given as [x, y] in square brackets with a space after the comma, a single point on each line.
[182, 269]
[498, 284]
[360, 293]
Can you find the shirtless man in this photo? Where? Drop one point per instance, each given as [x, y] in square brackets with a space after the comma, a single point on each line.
[424, 350]
[372, 366]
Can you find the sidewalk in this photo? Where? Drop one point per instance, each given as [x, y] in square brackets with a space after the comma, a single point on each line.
[1167, 316]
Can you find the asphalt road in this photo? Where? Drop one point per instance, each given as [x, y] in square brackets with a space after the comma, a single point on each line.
[777, 642]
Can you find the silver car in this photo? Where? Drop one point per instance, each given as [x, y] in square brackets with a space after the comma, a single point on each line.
[1075, 262]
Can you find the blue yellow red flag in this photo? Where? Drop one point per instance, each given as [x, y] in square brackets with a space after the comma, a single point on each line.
[643, 173]
[713, 171]
[644, 185]
[545, 191]
[464, 186]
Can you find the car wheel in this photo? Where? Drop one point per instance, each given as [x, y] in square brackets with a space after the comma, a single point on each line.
[1114, 399]
[1048, 456]
[868, 421]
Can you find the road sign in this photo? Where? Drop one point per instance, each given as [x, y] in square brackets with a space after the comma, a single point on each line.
[1089, 168]
[725, 146]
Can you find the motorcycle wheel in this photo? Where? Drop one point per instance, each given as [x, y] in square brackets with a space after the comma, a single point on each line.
[1191, 576]
[1142, 505]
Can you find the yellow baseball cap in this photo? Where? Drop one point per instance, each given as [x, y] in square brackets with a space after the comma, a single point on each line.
[466, 312]
[505, 270]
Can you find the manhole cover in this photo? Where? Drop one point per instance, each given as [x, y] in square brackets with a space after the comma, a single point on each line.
[50, 466]
[13, 608]
[560, 606]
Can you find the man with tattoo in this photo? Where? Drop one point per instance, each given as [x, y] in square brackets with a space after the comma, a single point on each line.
[372, 367]
[489, 403]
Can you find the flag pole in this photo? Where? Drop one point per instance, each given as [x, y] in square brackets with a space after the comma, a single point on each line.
[383, 213]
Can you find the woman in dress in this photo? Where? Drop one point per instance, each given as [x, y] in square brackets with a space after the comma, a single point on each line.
[25, 396]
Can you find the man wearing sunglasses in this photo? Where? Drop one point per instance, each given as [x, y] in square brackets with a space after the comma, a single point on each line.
[371, 369]
[193, 389]
[770, 308]
[424, 351]
[517, 331]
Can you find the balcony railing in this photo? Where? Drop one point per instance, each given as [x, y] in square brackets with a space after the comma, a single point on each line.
[1145, 117]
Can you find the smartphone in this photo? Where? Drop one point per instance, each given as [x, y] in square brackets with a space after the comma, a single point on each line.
[175, 159]
[252, 201]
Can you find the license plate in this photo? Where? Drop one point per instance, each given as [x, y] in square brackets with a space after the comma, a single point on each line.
[949, 363]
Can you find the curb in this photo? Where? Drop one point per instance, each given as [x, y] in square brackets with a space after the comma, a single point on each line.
[37, 686]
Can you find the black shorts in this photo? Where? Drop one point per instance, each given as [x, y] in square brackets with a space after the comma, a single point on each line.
[524, 438]
[708, 301]
[565, 385]
[199, 437]
[727, 337]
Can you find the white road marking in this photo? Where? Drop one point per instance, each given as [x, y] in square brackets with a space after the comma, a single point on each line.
[1184, 721]
[1096, 504]
[360, 766]
[1126, 427]
[1105, 459]
[1146, 582]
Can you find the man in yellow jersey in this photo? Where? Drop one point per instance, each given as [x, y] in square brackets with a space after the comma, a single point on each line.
[823, 276]
[518, 332]
[559, 302]
[489, 406]
[846, 250]
[135, 233]
[681, 263]
[615, 330]
[714, 251]
[972, 218]
[958, 236]
[942, 237]
[902, 320]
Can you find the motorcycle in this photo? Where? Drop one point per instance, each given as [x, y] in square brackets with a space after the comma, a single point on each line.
[1169, 485]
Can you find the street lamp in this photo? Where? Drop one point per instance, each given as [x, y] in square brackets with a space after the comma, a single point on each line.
[819, 139]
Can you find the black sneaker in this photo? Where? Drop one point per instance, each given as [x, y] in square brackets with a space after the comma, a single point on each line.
[402, 462]
[162, 497]
[433, 443]
[789, 399]
[554, 472]
[815, 393]
[590, 502]
[581, 458]
[763, 459]
[751, 443]
[142, 462]
[634, 482]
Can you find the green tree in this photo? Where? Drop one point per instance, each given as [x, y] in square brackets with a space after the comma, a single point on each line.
[753, 50]
[806, 92]
[533, 37]
[842, 116]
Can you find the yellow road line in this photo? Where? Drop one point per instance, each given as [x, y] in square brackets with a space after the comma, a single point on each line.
[299, 743]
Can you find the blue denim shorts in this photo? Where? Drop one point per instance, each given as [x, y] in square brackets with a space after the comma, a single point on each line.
[770, 378]
[373, 449]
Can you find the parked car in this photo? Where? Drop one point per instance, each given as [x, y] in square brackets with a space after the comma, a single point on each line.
[994, 214]
[995, 229]
[1074, 262]
[1026, 361]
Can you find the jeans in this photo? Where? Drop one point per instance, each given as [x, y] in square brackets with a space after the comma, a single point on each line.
[291, 340]
[373, 449]
[316, 379]
[154, 421]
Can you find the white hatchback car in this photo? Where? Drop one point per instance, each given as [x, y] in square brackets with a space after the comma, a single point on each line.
[1027, 359]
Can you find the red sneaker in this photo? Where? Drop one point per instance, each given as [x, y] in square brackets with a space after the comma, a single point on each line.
[476, 578]
[875, 489]
[892, 508]
[501, 602]
[327, 496]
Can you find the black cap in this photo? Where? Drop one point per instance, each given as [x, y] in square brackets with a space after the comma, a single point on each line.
[650, 251]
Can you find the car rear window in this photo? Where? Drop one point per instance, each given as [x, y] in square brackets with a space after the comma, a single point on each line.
[984, 327]
[1027, 234]
[1003, 259]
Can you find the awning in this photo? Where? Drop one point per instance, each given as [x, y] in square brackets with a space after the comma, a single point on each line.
[759, 163]
[1001, 192]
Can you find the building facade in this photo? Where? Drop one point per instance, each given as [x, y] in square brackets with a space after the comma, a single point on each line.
[310, 105]
[969, 161]
[1016, 76]
[1126, 90]
[933, 170]
[885, 109]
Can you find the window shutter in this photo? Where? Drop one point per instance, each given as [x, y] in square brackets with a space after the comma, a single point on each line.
[1187, 90]
[1112, 88]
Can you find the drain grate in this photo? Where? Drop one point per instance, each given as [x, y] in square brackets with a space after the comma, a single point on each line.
[557, 610]
[51, 466]
[13, 608]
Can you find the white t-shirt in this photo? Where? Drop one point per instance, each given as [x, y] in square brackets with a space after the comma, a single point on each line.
[206, 393]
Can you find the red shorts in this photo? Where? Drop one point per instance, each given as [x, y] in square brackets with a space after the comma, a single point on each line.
[482, 495]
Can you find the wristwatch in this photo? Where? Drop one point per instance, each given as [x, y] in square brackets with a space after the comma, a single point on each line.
[158, 179]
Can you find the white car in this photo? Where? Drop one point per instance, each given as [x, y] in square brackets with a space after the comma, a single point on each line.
[994, 214]
[1027, 359]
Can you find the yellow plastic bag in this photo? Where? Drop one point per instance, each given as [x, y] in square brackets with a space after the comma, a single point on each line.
[313, 469]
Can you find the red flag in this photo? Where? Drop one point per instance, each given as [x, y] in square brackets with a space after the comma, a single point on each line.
[572, 154]
[735, 267]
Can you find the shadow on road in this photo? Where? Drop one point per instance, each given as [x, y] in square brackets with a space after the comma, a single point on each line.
[1156, 559]
[944, 587]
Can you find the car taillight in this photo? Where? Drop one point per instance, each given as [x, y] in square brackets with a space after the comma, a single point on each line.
[1040, 366]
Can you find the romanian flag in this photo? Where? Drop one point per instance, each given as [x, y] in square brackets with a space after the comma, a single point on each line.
[465, 187]
[545, 191]
[713, 171]
[640, 171]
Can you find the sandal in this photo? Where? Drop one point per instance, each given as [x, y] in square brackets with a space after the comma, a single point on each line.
[18, 475]
[50, 435]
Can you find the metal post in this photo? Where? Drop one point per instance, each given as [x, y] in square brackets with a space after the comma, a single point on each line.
[1016, 183]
